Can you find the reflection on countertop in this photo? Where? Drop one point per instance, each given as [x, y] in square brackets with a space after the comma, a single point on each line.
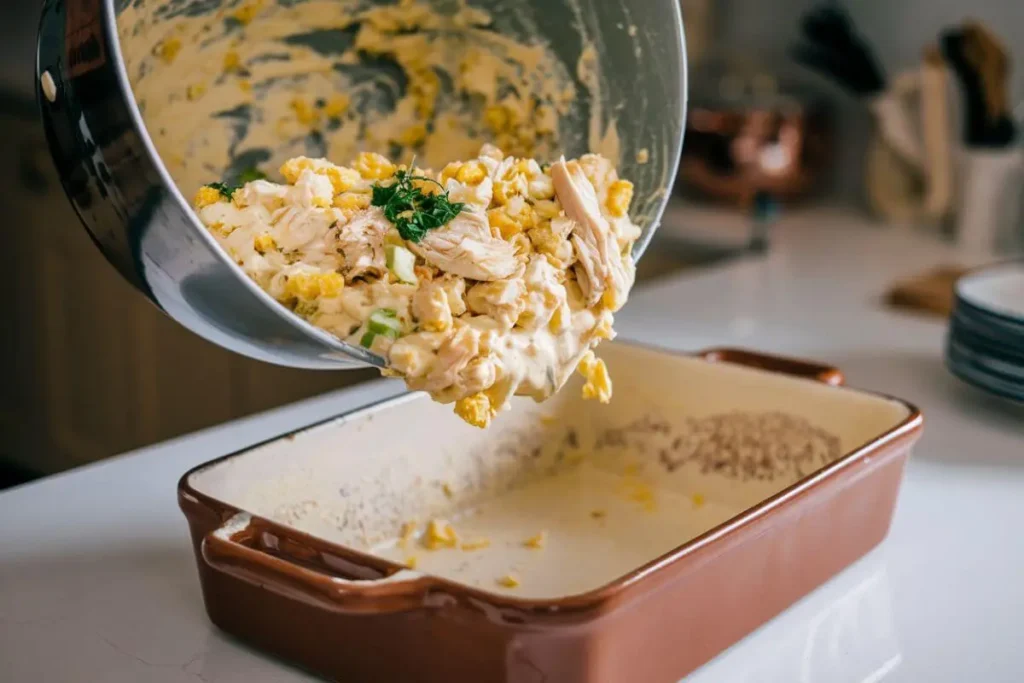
[694, 236]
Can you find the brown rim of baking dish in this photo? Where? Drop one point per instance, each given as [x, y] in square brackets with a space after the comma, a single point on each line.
[228, 548]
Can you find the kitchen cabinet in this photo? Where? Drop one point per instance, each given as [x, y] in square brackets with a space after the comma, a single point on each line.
[88, 366]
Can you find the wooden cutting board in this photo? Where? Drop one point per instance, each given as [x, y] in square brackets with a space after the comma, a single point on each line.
[930, 292]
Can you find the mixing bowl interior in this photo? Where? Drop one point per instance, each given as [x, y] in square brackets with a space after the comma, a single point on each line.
[225, 87]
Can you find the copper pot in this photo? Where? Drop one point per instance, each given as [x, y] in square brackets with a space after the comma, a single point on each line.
[735, 150]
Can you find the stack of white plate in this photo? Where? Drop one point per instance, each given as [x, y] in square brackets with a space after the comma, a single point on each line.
[985, 346]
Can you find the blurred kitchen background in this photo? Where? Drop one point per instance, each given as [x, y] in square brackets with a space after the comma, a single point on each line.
[89, 369]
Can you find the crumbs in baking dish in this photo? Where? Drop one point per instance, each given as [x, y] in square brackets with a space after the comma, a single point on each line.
[440, 534]
[537, 541]
[476, 544]
[509, 581]
[747, 446]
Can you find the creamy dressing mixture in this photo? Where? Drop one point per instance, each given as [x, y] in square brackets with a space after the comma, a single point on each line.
[507, 298]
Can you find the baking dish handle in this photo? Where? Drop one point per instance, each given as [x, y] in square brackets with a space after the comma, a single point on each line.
[229, 549]
[771, 363]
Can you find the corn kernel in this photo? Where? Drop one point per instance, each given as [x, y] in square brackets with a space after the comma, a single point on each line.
[620, 195]
[220, 229]
[264, 243]
[373, 166]
[598, 384]
[547, 209]
[337, 106]
[537, 541]
[412, 136]
[643, 494]
[304, 111]
[498, 118]
[477, 544]
[310, 286]
[557, 323]
[168, 49]
[195, 91]
[503, 192]
[331, 284]
[698, 500]
[247, 12]
[523, 166]
[472, 173]
[411, 562]
[545, 239]
[245, 85]
[424, 87]
[206, 196]
[475, 409]
[426, 186]
[604, 330]
[439, 325]
[505, 225]
[440, 534]
[612, 299]
[352, 201]
[449, 171]
[343, 179]
[509, 581]
[232, 61]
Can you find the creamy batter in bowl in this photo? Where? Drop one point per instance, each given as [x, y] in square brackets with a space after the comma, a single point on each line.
[145, 101]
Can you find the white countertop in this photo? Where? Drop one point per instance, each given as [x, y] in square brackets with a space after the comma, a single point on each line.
[98, 581]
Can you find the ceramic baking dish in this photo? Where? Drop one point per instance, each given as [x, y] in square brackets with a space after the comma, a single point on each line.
[624, 542]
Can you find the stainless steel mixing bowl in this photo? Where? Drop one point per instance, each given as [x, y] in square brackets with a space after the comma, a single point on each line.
[130, 205]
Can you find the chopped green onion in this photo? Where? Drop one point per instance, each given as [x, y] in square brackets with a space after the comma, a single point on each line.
[384, 322]
[402, 262]
[367, 339]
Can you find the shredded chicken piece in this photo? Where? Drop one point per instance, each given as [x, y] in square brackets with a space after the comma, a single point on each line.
[502, 300]
[465, 247]
[361, 240]
[431, 306]
[600, 268]
[454, 354]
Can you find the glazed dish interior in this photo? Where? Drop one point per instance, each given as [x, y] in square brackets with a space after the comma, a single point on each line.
[562, 498]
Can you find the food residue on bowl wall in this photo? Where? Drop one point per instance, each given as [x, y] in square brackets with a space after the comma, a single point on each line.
[332, 78]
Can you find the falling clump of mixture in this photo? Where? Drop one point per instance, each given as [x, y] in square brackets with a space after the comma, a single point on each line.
[490, 278]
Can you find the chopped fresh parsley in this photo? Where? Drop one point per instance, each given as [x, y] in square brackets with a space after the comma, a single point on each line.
[246, 176]
[410, 209]
[225, 189]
